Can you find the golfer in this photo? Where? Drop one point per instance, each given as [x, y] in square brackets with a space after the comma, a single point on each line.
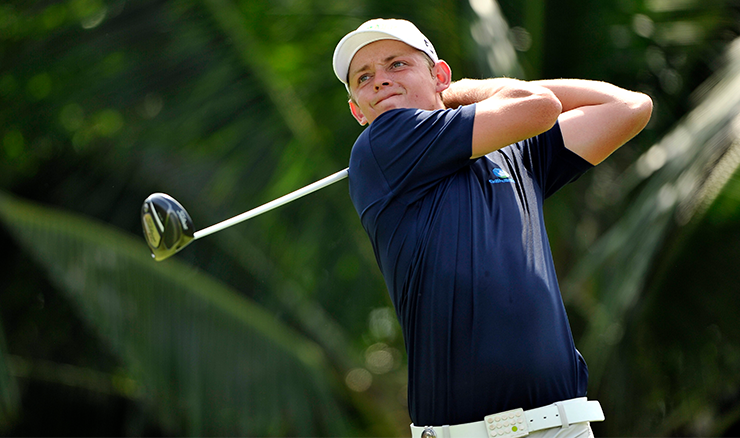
[449, 180]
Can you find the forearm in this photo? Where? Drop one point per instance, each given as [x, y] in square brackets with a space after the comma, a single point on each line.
[577, 93]
[597, 117]
[506, 111]
[470, 91]
[572, 93]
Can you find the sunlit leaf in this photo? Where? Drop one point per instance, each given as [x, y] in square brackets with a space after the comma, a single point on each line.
[210, 361]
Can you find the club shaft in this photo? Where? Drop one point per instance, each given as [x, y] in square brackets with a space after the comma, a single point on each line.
[331, 179]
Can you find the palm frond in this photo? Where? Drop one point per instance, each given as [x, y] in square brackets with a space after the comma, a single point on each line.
[679, 176]
[209, 361]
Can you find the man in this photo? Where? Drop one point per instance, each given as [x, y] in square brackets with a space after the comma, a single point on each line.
[448, 181]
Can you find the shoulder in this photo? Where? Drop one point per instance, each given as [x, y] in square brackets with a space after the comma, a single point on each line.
[407, 124]
[409, 149]
[412, 117]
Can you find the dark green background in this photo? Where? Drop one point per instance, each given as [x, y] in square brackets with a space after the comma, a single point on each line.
[281, 326]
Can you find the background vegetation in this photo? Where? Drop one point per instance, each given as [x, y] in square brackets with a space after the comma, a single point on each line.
[282, 326]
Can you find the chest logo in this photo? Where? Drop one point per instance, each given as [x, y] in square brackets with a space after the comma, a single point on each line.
[500, 176]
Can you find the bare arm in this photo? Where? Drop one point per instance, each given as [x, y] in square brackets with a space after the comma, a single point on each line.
[507, 110]
[597, 118]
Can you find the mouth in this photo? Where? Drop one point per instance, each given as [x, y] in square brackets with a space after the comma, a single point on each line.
[384, 98]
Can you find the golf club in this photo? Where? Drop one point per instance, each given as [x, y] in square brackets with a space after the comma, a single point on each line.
[168, 227]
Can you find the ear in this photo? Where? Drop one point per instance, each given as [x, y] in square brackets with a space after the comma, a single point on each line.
[443, 74]
[357, 113]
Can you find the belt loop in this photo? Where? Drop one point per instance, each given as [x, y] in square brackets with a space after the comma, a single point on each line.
[562, 415]
[446, 431]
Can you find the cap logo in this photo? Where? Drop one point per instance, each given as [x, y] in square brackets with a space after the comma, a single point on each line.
[429, 45]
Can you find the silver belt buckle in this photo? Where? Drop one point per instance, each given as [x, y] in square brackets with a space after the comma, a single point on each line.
[508, 424]
[428, 432]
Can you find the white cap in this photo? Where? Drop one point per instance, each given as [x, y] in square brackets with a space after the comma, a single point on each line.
[375, 30]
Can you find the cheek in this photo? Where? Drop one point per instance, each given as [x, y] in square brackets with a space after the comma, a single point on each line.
[360, 102]
[423, 96]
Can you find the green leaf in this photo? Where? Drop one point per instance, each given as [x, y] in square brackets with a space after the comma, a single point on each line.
[207, 360]
[682, 174]
[615, 287]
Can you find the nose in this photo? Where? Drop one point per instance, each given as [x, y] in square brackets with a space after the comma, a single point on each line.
[382, 80]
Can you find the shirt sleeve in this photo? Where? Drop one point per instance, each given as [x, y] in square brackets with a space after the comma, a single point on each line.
[414, 149]
[552, 164]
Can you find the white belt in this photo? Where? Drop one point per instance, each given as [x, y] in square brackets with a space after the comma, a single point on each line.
[518, 422]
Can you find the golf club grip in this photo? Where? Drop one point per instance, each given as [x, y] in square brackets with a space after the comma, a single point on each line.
[331, 179]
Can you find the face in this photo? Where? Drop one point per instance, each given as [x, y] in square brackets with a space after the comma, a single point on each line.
[389, 74]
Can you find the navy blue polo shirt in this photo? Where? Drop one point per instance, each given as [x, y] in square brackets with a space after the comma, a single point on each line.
[462, 246]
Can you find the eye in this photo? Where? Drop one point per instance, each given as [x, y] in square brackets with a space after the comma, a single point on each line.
[397, 64]
[362, 78]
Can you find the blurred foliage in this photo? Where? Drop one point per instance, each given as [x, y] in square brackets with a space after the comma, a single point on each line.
[8, 390]
[198, 352]
[635, 261]
[227, 104]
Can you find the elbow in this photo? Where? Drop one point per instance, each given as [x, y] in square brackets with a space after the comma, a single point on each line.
[647, 108]
[544, 108]
[642, 109]
[555, 107]
[548, 110]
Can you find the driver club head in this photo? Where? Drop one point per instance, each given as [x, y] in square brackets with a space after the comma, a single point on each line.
[167, 225]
